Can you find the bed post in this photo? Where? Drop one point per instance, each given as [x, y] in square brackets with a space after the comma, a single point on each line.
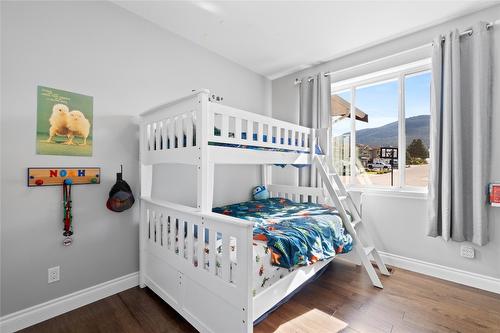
[313, 172]
[204, 167]
[266, 172]
[248, 310]
[323, 141]
[146, 177]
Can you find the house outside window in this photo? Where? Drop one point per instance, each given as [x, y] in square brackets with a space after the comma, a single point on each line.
[385, 144]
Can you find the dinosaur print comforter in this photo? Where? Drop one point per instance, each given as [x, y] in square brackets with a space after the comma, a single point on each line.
[295, 234]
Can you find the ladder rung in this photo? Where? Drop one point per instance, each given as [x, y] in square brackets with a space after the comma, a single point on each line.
[369, 249]
[342, 197]
[355, 223]
[331, 173]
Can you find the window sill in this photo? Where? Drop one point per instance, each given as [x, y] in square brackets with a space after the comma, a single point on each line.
[411, 193]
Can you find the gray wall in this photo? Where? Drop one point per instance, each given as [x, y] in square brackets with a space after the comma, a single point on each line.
[398, 224]
[128, 65]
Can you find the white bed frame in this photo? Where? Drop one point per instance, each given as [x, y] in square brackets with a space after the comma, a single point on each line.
[213, 302]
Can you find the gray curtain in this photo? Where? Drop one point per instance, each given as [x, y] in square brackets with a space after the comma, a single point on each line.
[460, 136]
[315, 106]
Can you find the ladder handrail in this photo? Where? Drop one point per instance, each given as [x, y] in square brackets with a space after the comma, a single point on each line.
[351, 220]
[341, 185]
[333, 196]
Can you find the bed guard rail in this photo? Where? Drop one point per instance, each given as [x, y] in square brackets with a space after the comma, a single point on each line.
[214, 245]
[192, 121]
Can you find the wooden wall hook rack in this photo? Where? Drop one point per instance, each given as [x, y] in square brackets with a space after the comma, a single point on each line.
[57, 176]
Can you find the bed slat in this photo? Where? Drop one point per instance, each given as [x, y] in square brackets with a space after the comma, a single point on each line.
[158, 135]
[265, 133]
[260, 137]
[212, 267]
[189, 242]
[179, 132]
[225, 126]
[226, 250]
[200, 250]
[157, 228]
[171, 133]
[237, 128]
[285, 138]
[171, 234]
[278, 136]
[181, 238]
[189, 131]
[164, 135]
[163, 229]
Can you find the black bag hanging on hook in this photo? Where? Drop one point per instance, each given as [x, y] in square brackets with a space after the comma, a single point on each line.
[120, 196]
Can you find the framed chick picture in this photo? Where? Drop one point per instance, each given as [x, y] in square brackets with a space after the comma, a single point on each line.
[64, 123]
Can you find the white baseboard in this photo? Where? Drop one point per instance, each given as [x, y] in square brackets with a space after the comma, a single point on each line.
[38, 313]
[443, 272]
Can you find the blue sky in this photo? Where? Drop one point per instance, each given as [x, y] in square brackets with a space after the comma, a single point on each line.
[380, 102]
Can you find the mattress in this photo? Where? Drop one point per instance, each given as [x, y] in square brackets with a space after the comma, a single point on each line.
[287, 237]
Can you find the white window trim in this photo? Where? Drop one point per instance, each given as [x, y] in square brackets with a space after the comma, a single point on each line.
[407, 192]
[398, 73]
[378, 76]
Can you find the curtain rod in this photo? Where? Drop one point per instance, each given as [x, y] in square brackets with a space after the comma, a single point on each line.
[463, 33]
[470, 31]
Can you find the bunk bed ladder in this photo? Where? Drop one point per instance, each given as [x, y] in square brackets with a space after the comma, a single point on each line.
[344, 203]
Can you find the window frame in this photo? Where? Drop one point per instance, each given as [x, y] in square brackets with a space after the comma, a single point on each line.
[399, 74]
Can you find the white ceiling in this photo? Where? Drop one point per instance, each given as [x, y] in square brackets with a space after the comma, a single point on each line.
[275, 38]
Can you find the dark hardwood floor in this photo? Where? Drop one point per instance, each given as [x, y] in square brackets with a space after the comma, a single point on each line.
[342, 300]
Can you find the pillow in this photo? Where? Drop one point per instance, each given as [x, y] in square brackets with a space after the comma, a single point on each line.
[260, 193]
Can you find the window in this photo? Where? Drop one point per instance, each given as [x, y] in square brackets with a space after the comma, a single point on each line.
[341, 129]
[417, 123]
[380, 128]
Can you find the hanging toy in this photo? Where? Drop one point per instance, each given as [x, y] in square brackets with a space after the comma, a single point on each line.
[68, 216]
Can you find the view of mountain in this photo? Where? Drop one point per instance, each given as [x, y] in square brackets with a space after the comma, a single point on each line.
[387, 135]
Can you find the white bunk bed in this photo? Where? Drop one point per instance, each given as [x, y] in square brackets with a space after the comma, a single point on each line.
[220, 299]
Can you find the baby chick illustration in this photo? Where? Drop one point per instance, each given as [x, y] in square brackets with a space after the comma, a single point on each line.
[58, 121]
[78, 125]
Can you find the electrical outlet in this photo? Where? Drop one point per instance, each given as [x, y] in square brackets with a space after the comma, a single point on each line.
[53, 274]
[467, 251]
